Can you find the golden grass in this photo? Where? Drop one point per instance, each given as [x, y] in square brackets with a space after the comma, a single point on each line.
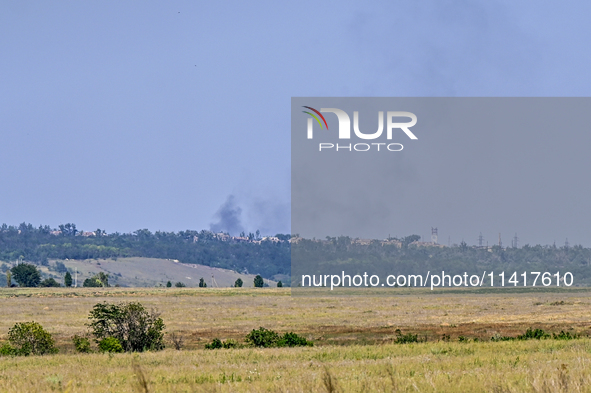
[201, 314]
[532, 366]
[338, 325]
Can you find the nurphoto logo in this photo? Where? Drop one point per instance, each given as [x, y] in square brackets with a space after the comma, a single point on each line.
[344, 131]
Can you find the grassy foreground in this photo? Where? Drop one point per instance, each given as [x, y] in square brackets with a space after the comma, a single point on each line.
[354, 349]
[530, 366]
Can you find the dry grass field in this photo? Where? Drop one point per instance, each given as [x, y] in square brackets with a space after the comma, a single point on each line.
[354, 342]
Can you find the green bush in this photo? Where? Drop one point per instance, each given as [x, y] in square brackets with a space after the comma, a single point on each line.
[262, 337]
[534, 334]
[180, 285]
[7, 350]
[136, 328]
[293, 340]
[82, 344]
[215, 344]
[29, 338]
[406, 338]
[110, 344]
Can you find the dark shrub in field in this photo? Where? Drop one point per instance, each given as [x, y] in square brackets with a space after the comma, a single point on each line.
[136, 328]
[293, 340]
[406, 338]
[215, 344]
[82, 344]
[534, 334]
[262, 337]
[29, 338]
[268, 338]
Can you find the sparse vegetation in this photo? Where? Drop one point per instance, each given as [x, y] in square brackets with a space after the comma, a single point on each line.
[177, 340]
[82, 344]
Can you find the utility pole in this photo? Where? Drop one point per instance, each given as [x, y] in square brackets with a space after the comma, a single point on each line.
[480, 240]
[433, 235]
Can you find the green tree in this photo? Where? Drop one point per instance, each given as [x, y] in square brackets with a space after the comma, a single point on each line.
[202, 283]
[68, 279]
[49, 282]
[168, 284]
[238, 283]
[8, 278]
[258, 281]
[98, 280]
[26, 275]
[136, 328]
[29, 338]
[279, 284]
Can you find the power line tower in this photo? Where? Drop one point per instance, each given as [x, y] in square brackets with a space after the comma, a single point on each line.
[434, 235]
[500, 242]
[480, 240]
[214, 284]
[514, 241]
[566, 243]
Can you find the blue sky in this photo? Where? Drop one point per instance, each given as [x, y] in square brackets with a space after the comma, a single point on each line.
[128, 115]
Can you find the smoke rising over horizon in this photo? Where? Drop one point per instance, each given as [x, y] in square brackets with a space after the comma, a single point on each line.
[269, 216]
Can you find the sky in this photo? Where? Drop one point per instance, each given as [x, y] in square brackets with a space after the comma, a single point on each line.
[176, 115]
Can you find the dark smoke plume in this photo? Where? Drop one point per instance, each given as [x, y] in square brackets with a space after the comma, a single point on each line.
[228, 216]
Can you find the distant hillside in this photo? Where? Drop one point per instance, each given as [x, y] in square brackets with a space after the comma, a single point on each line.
[248, 254]
[148, 272]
